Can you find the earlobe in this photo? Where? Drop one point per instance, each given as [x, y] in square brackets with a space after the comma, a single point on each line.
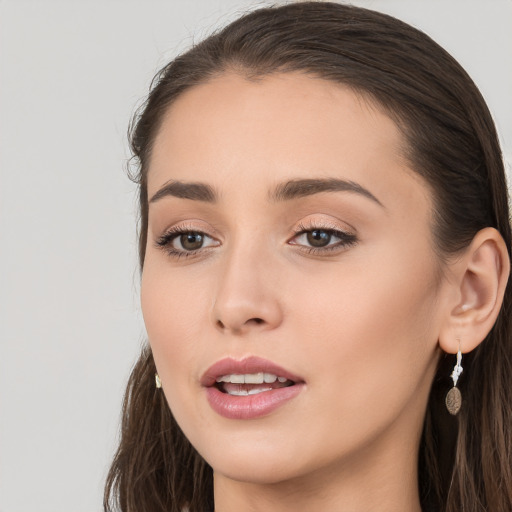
[481, 275]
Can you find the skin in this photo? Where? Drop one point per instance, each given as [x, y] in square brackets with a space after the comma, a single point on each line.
[360, 323]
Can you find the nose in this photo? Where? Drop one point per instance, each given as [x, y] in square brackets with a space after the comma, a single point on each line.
[247, 297]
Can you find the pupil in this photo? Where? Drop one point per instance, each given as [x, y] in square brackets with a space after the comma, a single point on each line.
[191, 241]
[318, 238]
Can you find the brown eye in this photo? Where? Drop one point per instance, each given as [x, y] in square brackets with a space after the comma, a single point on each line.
[178, 242]
[319, 240]
[318, 237]
[191, 241]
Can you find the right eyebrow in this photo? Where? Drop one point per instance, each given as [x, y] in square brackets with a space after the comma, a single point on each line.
[183, 190]
[307, 187]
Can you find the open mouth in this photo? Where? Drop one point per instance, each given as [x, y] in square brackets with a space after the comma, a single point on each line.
[249, 388]
[237, 384]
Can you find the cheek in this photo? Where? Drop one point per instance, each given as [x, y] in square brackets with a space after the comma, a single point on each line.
[372, 331]
[174, 314]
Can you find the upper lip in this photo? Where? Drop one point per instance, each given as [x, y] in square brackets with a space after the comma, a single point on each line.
[252, 364]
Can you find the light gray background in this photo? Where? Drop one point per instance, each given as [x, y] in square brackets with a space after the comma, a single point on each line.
[71, 73]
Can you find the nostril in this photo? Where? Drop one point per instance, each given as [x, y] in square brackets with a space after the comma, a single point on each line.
[257, 321]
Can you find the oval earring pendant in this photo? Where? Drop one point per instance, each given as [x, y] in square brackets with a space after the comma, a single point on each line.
[453, 401]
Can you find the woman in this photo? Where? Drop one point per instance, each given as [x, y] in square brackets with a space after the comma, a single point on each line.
[325, 251]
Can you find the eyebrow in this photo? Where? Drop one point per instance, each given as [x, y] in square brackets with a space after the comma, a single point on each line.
[287, 191]
[307, 187]
[193, 191]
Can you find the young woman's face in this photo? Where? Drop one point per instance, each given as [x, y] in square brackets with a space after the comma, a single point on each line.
[289, 242]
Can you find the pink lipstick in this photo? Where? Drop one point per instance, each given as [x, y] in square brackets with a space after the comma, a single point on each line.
[250, 388]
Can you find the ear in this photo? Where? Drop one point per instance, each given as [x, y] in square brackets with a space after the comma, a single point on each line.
[480, 276]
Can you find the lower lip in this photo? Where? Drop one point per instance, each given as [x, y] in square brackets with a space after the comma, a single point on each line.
[251, 406]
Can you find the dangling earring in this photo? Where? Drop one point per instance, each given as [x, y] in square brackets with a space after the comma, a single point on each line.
[158, 382]
[454, 398]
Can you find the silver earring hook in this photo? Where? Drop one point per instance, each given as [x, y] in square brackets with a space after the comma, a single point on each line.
[457, 369]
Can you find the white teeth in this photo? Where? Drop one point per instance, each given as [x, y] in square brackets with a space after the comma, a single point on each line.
[251, 378]
[245, 392]
[254, 378]
[256, 391]
[238, 392]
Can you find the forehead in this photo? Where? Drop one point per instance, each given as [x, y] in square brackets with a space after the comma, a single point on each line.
[281, 126]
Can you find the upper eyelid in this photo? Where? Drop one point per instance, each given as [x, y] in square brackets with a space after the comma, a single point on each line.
[324, 227]
[188, 227]
[171, 234]
[327, 225]
[346, 239]
[301, 226]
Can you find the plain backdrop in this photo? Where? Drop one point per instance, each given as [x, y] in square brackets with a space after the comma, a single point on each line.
[71, 74]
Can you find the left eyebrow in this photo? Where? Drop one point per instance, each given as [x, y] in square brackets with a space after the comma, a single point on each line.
[193, 191]
[307, 187]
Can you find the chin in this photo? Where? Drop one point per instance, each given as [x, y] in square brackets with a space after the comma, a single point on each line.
[252, 462]
[269, 472]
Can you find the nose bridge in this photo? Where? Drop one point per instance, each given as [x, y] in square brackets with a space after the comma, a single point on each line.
[247, 295]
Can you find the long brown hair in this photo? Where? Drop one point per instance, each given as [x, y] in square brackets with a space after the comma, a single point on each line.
[465, 463]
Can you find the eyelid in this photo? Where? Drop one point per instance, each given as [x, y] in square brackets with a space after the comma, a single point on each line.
[346, 238]
[166, 239]
[327, 224]
[190, 226]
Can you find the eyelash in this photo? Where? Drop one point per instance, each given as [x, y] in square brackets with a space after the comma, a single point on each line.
[346, 240]
[165, 241]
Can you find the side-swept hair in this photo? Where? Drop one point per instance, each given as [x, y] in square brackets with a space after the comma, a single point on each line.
[465, 463]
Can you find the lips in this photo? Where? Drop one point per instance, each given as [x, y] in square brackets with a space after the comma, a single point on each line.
[247, 366]
[250, 388]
